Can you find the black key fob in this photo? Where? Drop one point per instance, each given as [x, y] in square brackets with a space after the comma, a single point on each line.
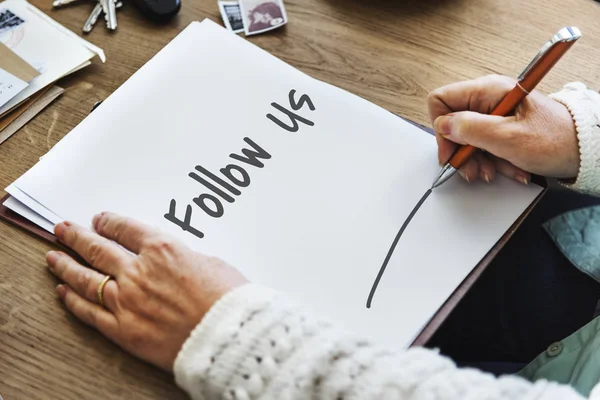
[158, 10]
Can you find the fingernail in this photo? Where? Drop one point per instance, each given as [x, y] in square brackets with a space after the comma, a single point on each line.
[61, 290]
[486, 178]
[61, 229]
[467, 178]
[95, 221]
[51, 257]
[442, 124]
[522, 179]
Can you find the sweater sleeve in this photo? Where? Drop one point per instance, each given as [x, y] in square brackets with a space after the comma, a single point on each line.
[254, 344]
[584, 106]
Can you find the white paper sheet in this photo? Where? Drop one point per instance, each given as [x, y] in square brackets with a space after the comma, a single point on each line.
[21, 209]
[32, 205]
[44, 44]
[10, 86]
[318, 219]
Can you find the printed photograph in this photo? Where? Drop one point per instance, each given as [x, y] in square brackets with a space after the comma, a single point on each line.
[8, 20]
[232, 15]
[261, 15]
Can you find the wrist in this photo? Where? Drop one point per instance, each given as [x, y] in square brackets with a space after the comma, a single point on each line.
[584, 107]
[204, 348]
[569, 149]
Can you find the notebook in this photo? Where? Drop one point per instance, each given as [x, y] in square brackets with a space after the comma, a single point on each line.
[300, 185]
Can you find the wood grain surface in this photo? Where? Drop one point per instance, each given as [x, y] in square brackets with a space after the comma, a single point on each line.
[391, 52]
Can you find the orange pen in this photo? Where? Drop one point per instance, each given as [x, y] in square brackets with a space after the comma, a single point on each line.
[543, 62]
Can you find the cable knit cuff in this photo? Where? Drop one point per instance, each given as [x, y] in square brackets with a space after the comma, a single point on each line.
[215, 331]
[253, 344]
[584, 106]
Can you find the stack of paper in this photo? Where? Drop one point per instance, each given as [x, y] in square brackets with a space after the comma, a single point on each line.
[15, 74]
[299, 184]
[35, 51]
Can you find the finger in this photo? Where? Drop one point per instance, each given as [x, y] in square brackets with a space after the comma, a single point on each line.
[487, 169]
[100, 252]
[91, 314]
[480, 95]
[510, 171]
[488, 132]
[445, 148]
[128, 232]
[470, 171]
[84, 281]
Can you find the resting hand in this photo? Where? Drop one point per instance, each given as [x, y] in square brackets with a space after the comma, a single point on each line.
[158, 294]
[539, 138]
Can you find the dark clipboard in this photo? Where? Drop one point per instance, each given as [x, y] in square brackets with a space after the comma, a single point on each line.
[444, 311]
[434, 323]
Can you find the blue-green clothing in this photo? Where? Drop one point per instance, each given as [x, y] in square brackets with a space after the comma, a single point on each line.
[577, 235]
[575, 360]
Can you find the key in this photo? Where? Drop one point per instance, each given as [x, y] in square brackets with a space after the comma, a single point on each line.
[60, 3]
[110, 14]
[104, 5]
[91, 20]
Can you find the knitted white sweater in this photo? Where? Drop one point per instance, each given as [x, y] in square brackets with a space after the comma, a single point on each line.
[253, 344]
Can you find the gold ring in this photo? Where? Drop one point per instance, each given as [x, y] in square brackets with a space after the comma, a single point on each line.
[101, 290]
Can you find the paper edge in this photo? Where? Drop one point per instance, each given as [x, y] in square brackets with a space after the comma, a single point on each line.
[16, 206]
[44, 101]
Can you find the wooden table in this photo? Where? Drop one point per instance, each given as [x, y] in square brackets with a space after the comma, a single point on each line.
[391, 52]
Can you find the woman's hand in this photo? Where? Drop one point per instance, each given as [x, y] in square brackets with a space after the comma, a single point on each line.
[539, 138]
[158, 294]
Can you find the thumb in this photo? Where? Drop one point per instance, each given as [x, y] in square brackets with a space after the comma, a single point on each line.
[483, 131]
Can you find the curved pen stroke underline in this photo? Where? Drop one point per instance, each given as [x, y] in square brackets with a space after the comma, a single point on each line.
[391, 251]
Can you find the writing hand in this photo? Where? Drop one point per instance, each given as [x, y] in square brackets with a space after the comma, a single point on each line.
[159, 293]
[539, 138]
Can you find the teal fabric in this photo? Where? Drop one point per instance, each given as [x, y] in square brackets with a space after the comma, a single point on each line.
[577, 234]
[575, 360]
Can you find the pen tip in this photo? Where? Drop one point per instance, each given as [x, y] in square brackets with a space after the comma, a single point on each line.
[446, 172]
